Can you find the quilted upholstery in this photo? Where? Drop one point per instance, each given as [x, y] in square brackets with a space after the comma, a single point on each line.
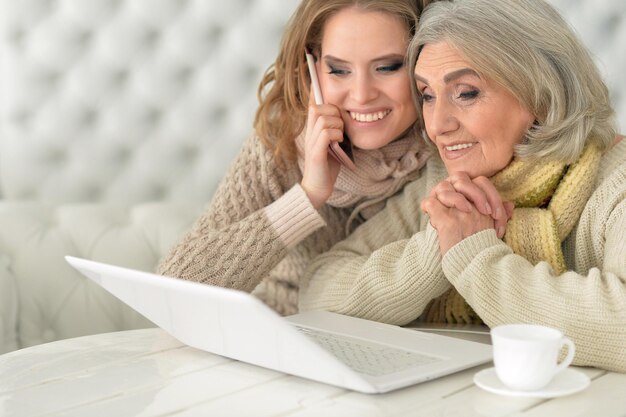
[129, 101]
[54, 301]
[117, 120]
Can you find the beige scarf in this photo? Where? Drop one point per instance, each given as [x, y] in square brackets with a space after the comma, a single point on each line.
[380, 174]
[549, 198]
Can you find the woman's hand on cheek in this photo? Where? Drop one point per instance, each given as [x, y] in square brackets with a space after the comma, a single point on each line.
[324, 125]
[452, 224]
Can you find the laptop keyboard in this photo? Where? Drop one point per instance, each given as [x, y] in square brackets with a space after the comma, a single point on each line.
[367, 357]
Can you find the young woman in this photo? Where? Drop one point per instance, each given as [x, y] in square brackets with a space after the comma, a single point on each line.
[517, 112]
[286, 200]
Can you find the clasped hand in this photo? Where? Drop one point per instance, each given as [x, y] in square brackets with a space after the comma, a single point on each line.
[459, 207]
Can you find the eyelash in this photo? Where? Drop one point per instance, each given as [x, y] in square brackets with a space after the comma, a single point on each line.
[425, 98]
[465, 96]
[469, 95]
[336, 71]
[391, 68]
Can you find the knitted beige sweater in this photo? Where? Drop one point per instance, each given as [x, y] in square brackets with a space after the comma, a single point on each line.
[390, 268]
[260, 228]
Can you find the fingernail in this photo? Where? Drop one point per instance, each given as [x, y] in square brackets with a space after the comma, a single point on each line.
[488, 208]
[501, 231]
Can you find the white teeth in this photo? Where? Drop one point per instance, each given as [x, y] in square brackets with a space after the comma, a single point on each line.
[369, 117]
[459, 146]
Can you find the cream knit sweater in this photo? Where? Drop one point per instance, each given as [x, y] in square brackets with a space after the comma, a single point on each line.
[390, 267]
[258, 233]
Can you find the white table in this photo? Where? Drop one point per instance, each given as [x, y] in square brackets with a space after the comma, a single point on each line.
[148, 373]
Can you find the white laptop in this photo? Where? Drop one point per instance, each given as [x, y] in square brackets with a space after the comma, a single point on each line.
[352, 353]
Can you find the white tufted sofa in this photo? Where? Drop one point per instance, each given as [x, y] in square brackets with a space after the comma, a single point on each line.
[117, 120]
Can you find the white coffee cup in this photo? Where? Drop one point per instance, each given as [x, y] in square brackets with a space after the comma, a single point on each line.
[525, 355]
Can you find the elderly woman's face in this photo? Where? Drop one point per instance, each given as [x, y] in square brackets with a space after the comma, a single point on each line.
[362, 72]
[473, 121]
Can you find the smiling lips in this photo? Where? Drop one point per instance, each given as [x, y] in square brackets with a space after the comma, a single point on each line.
[458, 146]
[369, 117]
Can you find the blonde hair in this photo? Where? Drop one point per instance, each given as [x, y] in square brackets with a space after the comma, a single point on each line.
[529, 49]
[284, 90]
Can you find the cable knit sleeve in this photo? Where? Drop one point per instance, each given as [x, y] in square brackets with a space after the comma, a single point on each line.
[257, 213]
[387, 270]
[588, 302]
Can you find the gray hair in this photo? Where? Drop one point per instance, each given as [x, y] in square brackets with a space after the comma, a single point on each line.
[529, 49]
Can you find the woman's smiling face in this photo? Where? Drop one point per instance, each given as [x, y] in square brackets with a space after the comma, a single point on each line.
[362, 72]
[474, 122]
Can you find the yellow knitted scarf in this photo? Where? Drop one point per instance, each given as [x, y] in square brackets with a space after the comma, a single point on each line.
[549, 198]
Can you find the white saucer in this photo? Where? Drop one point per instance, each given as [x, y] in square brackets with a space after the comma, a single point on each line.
[566, 382]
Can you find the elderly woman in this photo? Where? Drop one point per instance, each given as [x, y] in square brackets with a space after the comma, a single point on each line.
[519, 114]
